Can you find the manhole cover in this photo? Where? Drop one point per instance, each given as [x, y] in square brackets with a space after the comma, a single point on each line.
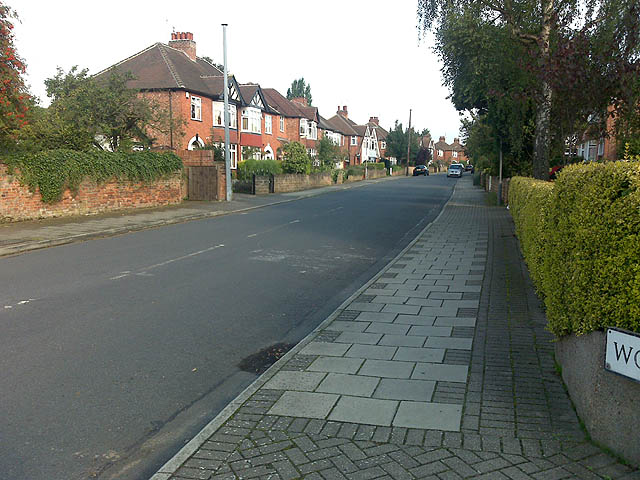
[259, 362]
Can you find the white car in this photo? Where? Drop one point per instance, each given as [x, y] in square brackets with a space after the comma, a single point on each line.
[455, 170]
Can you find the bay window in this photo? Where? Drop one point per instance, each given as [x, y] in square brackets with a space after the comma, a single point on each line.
[251, 120]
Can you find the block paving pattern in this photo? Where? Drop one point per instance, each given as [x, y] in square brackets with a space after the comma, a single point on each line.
[440, 369]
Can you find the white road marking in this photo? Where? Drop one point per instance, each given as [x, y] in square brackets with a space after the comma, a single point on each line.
[273, 228]
[143, 272]
[21, 302]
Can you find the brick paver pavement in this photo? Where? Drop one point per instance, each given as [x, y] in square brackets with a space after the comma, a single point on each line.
[439, 368]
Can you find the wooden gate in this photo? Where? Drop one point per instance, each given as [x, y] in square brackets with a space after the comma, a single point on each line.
[203, 183]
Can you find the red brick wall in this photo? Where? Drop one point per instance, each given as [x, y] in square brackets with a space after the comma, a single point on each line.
[18, 203]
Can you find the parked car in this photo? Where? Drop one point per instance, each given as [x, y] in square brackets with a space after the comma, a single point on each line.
[420, 170]
[469, 168]
[455, 170]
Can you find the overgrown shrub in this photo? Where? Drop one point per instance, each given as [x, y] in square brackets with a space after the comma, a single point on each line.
[296, 159]
[248, 168]
[53, 171]
[581, 239]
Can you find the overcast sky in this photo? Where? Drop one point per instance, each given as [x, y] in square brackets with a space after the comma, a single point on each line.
[358, 53]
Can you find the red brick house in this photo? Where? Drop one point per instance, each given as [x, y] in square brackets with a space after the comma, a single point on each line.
[380, 135]
[446, 154]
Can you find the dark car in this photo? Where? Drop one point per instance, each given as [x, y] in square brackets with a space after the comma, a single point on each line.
[420, 170]
[469, 168]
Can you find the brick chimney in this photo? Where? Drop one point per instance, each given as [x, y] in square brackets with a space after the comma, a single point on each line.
[456, 140]
[374, 120]
[442, 139]
[184, 41]
[300, 101]
[343, 112]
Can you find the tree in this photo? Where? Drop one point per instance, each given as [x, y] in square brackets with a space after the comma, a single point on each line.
[14, 98]
[423, 156]
[549, 33]
[397, 142]
[296, 159]
[328, 152]
[88, 112]
[300, 89]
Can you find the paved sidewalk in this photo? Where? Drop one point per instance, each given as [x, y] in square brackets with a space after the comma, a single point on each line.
[20, 237]
[438, 368]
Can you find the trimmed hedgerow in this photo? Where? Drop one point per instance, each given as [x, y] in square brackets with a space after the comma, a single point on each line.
[250, 167]
[581, 241]
[53, 171]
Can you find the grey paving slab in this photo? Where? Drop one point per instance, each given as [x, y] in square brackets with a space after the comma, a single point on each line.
[455, 322]
[343, 384]
[449, 343]
[461, 303]
[429, 355]
[464, 288]
[389, 299]
[387, 369]
[368, 411]
[431, 416]
[391, 328]
[288, 380]
[364, 338]
[429, 331]
[397, 389]
[439, 311]
[424, 302]
[376, 352]
[304, 404]
[406, 309]
[415, 319]
[376, 317]
[402, 340]
[335, 365]
[446, 295]
[365, 307]
[325, 348]
[338, 325]
[440, 371]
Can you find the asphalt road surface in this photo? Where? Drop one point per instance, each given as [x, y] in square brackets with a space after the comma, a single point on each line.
[116, 352]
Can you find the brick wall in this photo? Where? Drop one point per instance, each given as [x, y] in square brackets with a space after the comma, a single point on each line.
[18, 203]
[292, 182]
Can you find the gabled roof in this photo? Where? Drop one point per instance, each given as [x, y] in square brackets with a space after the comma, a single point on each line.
[324, 124]
[441, 145]
[280, 104]
[310, 113]
[360, 129]
[342, 125]
[381, 133]
[163, 67]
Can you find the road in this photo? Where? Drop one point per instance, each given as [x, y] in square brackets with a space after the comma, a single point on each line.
[116, 351]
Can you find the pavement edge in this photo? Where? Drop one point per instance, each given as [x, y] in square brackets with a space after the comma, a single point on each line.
[171, 466]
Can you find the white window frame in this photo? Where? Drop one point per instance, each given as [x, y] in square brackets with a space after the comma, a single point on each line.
[268, 125]
[455, 154]
[303, 128]
[196, 108]
[218, 113]
[383, 145]
[601, 148]
[354, 141]
[282, 124]
[253, 117]
[312, 130]
[440, 153]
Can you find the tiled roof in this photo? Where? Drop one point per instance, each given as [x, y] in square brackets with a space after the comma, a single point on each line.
[381, 133]
[280, 103]
[342, 125]
[248, 91]
[162, 67]
[440, 145]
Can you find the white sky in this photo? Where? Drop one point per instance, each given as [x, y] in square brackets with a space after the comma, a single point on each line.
[358, 53]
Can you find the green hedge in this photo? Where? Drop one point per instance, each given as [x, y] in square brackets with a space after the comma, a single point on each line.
[52, 171]
[251, 167]
[581, 239]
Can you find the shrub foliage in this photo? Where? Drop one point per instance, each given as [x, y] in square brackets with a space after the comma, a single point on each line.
[581, 239]
[250, 167]
[52, 171]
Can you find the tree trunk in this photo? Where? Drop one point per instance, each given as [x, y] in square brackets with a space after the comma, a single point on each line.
[543, 117]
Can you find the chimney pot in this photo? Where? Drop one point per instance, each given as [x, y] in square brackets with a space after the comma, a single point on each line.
[442, 139]
[184, 41]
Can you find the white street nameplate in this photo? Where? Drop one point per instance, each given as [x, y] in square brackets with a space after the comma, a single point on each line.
[622, 354]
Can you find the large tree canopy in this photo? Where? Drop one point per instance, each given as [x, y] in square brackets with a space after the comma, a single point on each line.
[553, 61]
[14, 98]
[300, 89]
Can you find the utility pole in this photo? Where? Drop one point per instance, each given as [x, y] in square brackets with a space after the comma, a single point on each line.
[227, 116]
[408, 145]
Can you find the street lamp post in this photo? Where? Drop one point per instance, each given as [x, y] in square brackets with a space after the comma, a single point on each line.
[227, 116]
[408, 145]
